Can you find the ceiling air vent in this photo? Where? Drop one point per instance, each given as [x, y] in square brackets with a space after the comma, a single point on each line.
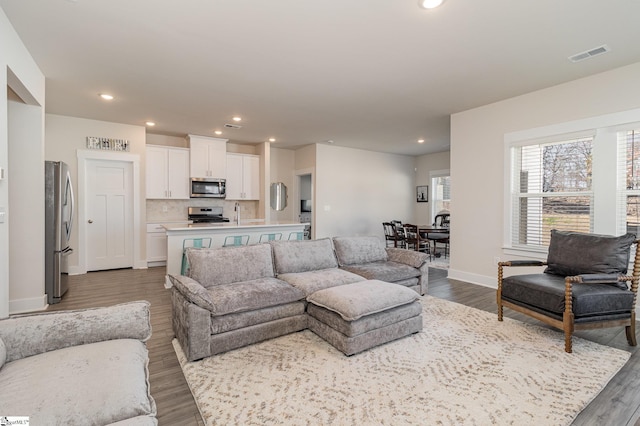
[589, 53]
[232, 126]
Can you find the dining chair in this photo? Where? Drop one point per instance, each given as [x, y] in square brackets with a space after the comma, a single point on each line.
[442, 221]
[390, 234]
[413, 239]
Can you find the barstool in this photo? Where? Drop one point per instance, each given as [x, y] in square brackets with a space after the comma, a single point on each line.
[296, 236]
[270, 237]
[192, 243]
[235, 240]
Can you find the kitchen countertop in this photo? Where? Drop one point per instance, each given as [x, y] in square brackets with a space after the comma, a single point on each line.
[250, 223]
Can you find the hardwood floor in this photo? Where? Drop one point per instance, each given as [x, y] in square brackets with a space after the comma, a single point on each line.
[617, 404]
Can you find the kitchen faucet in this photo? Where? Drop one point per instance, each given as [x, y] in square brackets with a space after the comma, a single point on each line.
[237, 209]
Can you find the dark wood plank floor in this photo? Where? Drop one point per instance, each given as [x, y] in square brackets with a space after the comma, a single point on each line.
[617, 404]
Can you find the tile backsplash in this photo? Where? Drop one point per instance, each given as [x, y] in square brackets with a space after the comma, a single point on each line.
[176, 210]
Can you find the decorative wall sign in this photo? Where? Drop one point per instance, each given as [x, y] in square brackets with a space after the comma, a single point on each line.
[108, 144]
[422, 194]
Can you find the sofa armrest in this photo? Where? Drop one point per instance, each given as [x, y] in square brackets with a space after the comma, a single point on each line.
[193, 291]
[408, 257]
[32, 334]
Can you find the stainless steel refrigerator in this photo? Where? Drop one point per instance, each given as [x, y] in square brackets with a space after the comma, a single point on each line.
[59, 208]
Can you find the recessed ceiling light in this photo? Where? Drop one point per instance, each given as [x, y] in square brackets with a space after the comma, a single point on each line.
[420, 140]
[430, 4]
[106, 96]
[218, 132]
[272, 139]
[150, 123]
[237, 118]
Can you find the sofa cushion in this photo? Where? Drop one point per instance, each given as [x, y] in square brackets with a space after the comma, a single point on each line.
[313, 281]
[251, 295]
[547, 292]
[408, 257]
[573, 253]
[359, 250]
[211, 267]
[239, 320]
[32, 334]
[303, 256]
[384, 271]
[364, 298]
[94, 384]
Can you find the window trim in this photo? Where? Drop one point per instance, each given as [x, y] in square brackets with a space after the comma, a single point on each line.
[555, 132]
[436, 174]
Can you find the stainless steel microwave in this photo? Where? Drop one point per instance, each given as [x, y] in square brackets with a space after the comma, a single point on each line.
[208, 188]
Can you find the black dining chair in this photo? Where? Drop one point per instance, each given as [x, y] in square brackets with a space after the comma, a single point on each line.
[441, 220]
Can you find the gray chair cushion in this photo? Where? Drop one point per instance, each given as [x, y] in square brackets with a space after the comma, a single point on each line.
[226, 265]
[93, 384]
[303, 256]
[357, 300]
[359, 250]
[251, 295]
[573, 253]
[546, 292]
[384, 271]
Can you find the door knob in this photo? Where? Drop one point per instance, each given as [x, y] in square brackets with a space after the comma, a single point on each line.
[90, 221]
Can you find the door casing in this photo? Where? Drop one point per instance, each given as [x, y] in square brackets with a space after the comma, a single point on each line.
[84, 157]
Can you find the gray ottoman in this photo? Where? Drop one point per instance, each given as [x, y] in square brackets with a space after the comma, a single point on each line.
[356, 317]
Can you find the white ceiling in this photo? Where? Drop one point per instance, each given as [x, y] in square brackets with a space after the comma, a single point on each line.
[371, 74]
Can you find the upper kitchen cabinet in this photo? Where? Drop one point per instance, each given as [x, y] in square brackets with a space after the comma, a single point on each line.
[167, 172]
[243, 177]
[208, 157]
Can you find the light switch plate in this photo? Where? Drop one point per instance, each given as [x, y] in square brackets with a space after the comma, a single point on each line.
[3, 213]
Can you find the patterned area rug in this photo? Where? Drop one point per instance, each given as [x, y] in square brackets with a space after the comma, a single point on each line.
[464, 368]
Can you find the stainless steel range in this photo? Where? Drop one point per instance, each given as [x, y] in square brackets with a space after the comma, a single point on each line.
[206, 215]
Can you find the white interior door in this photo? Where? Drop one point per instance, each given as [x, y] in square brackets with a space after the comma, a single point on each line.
[109, 213]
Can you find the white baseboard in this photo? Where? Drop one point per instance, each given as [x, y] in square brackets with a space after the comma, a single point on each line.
[20, 306]
[483, 280]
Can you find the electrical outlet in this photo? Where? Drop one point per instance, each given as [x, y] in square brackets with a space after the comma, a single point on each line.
[165, 208]
[496, 260]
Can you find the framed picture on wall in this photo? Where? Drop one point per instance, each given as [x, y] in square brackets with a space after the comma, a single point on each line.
[422, 194]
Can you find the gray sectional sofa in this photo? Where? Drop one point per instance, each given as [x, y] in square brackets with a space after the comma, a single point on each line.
[236, 296]
[85, 367]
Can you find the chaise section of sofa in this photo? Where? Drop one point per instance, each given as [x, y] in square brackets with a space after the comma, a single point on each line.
[231, 299]
[369, 258]
[310, 265]
[78, 367]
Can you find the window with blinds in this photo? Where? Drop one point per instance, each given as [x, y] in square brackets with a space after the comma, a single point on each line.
[551, 189]
[629, 159]
[441, 196]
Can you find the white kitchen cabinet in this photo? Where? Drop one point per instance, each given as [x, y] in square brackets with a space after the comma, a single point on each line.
[208, 157]
[167, 172]
[156, 243]
[243, 177]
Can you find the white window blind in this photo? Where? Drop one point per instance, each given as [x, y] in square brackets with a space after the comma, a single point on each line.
[551, 189]
[629, 181]
[441, 195]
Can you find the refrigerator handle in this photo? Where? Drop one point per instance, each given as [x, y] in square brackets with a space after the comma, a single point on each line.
[70, 227]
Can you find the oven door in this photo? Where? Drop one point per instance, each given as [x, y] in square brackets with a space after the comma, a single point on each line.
[208, 188]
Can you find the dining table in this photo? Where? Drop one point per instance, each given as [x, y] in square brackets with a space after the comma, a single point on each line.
[430, 229]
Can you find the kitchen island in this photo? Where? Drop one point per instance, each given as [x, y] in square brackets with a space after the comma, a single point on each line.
[177, 233]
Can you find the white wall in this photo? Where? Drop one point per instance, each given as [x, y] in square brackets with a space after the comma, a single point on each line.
[425, 165]
[477, 158]
[65, 136]
[357, 190]
[19, 71]
[282, 170]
